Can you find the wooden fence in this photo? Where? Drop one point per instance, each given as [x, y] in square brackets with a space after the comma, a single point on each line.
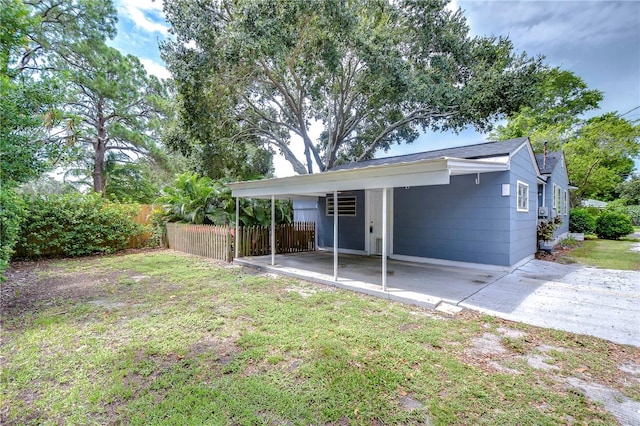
[201, 240]
[144, 218]
[290, 238]
[218, 241]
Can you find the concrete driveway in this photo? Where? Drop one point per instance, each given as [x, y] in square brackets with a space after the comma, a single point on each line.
[599, 302]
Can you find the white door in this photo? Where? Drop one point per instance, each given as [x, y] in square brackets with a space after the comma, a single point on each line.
[374, 221]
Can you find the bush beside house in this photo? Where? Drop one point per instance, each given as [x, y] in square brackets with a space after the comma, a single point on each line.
[613, 225]
[581, 221]
[76, 225]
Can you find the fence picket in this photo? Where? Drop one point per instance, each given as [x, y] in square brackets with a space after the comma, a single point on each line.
[217, 241]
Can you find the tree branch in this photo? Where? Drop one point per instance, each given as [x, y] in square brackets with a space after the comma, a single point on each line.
[420, 114]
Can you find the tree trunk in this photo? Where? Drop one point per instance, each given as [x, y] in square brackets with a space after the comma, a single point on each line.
[100, 147]
[98, 168]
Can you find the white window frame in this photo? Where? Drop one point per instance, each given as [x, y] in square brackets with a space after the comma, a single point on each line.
[557, 198]
[519, 196]
[347, 205]
[565, 203]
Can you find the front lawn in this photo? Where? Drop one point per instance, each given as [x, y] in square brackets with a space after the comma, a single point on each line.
[164, 338]
[608, 254]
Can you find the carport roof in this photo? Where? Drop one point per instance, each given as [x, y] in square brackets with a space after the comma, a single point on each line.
[426, 168]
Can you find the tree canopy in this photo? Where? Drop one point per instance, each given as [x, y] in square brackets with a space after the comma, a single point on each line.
[554, 112]
[34, 36]
[114, 105]
[371, 73]
[599, 151]
[600, 155]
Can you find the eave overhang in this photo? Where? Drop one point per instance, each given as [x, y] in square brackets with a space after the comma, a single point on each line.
[435, 171]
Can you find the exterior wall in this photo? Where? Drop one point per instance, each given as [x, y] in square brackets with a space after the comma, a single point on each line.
[466, 222]
[350, 228]
[305, 211]
[559, 177]
[523, 239]
[461, 221]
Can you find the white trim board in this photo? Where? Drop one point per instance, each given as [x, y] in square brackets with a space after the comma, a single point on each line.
[443, 262]
[343, 250]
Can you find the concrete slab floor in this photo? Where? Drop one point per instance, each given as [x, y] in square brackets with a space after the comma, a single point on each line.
[405, 280]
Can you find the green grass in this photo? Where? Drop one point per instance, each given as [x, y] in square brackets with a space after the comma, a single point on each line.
[607, 254]
[160, 338]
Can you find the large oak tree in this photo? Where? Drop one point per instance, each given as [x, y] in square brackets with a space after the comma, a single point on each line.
[372, 73]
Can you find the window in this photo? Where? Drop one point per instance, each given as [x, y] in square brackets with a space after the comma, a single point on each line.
[557, 198]
[565, 204]
[346, 205]
[523, 197]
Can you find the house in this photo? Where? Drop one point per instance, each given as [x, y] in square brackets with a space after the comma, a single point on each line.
[594, 203]
[553, 194]
[474, 205]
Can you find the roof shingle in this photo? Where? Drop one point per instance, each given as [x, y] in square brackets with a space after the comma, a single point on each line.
[482, 150]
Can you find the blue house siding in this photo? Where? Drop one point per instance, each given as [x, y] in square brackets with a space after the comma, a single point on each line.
[305, 211]
[350, 228]
[523, 240]
[560, 178]
[461, 221]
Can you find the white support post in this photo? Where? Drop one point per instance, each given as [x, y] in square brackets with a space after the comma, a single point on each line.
[273, 230]
[335, 235]
[384, 239]
[237, 239]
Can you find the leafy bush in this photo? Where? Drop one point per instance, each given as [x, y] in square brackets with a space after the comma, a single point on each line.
[613, 225]
[11, 216]
[634, 213]
[193, 199]
[546, 228]
[580, 220]
[76, 225]
[569, 242]
[620, 206]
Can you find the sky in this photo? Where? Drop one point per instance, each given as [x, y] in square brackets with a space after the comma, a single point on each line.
[597, 40]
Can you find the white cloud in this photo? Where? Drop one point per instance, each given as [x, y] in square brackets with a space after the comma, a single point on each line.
[142, 12]
[155, 68]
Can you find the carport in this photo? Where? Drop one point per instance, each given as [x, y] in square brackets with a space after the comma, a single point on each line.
[385, 177]
[421, 284]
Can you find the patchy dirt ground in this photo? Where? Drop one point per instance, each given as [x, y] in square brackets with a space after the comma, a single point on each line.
[500, 346]
[507, 349]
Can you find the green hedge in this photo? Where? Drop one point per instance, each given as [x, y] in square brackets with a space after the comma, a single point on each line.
[613, 225]
[11, 216]
[76, 225]
[619, 206]
[580, 220]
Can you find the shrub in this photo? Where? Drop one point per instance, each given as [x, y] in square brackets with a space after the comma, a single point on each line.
[569, 242]
[634, 213]
[613, 225]
[546, 228]
[619, 206]
[76, 225]
[194, 199]
[580, 220]
[11, 216]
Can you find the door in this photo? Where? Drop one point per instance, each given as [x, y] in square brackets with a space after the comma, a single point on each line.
[374, 218]
[375, 221]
